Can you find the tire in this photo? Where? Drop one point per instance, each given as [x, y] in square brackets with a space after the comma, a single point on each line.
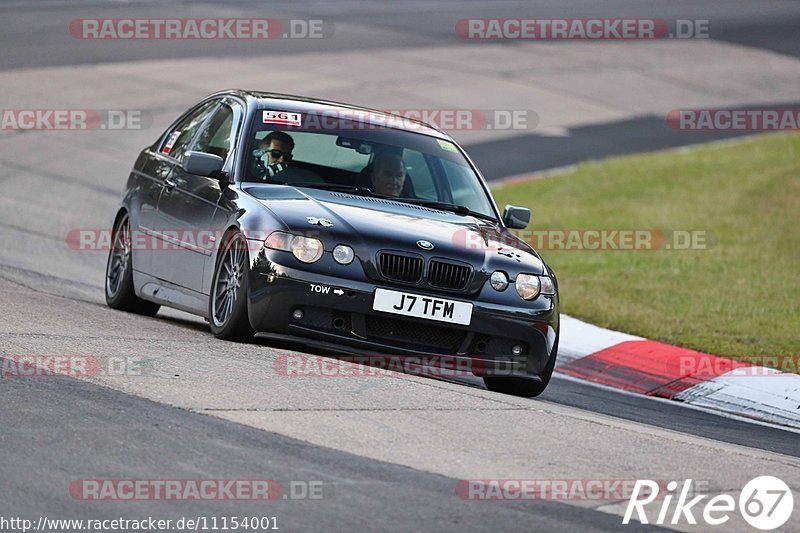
[227, 303]
[527, 388]
[119, 273]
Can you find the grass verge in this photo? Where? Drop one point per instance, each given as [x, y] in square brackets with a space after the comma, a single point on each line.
[737, 297]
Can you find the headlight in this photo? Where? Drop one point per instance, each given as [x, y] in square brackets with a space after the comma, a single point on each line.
[547, 285]
[305, 249]
[528, 286]
[279, 240]
[343, 254]
[499, 280]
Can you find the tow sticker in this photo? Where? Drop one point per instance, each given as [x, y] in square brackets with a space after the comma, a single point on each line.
[281, 117]
[324, 289]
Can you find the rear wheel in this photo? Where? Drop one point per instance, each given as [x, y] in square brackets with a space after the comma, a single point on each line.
[527, 388]
[227, 303]
[119, 273]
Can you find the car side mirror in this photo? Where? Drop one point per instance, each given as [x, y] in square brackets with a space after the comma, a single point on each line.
[203, 164]
[516, 217]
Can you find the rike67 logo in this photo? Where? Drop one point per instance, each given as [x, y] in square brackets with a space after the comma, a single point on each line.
[765, 503]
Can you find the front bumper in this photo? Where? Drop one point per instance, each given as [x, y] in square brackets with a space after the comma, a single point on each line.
[337, 315]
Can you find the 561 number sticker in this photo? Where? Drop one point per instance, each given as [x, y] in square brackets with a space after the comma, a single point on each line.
[281, 117]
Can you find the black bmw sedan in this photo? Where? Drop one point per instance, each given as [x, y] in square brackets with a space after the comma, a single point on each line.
[345, 229]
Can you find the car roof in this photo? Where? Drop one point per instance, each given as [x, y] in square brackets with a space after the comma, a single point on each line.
[294, 103]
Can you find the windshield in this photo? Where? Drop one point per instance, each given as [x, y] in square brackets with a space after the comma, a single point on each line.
[366, 159]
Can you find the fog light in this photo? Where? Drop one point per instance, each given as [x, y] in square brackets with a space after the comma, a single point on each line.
[499, 280]
[343, 254]
[516, 350]
[298, 314]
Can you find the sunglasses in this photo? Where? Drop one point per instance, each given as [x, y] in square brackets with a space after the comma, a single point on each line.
[276, 154]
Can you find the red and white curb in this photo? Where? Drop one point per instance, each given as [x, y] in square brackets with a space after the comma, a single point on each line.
[653, 368]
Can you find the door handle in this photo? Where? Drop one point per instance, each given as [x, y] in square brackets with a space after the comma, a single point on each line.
[169, 185]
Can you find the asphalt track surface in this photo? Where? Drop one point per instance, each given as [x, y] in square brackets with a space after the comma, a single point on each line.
[79, 424]
[388, 452]
[33, 37]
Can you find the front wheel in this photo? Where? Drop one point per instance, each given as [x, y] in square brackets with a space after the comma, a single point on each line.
[119, 273]
[227, 303]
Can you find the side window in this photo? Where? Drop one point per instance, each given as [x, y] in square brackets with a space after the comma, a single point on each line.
[216, 138]
[420, 175]
[177, 141]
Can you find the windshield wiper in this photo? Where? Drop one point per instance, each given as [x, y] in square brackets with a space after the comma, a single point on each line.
[365, 191]
[444, 206]
[354, 189]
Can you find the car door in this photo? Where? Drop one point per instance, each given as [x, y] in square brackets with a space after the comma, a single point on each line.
[148, 180]
[150, 172]
[187, 202]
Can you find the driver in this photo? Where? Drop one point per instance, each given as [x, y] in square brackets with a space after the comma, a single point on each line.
[278, 147]
[276, 153]
[388, 174]
[273, 157]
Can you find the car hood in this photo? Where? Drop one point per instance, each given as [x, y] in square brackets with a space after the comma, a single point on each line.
[370, 224]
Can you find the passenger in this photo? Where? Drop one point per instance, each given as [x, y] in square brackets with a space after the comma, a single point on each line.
[388, 174]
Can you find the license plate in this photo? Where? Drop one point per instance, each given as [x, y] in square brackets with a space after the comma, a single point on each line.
[429, 307]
